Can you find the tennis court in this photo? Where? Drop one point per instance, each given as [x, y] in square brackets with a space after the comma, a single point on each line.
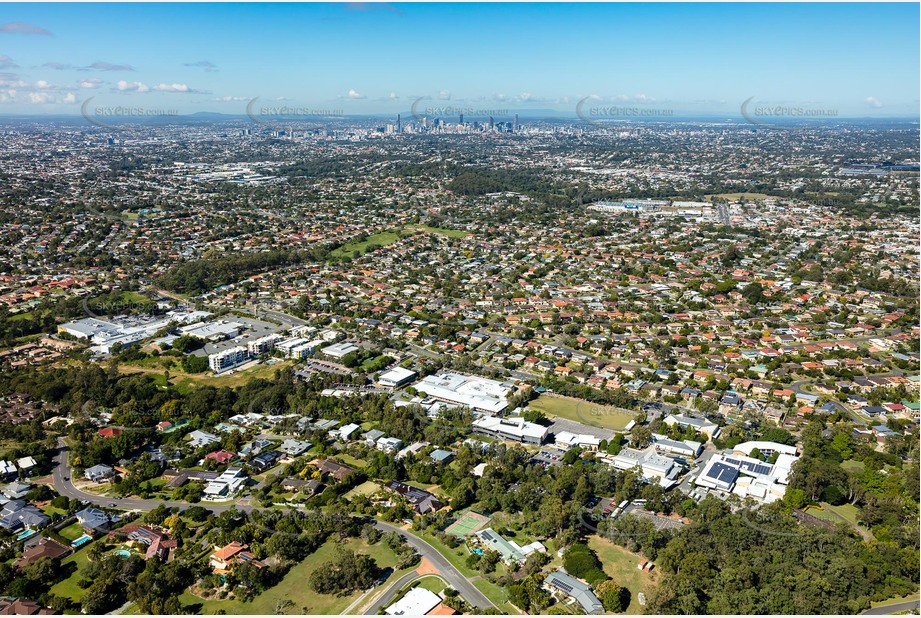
[468, 523]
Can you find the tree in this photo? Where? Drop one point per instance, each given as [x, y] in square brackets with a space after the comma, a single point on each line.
[611, 594]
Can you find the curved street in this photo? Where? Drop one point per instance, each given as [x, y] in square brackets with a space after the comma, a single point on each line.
[455, 578]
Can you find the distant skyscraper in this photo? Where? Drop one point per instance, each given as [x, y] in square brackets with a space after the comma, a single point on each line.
[398, 123]
[491, 123]
[515, 124]
[462, 119]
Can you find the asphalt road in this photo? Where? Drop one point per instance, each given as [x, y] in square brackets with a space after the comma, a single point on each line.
[66, 488]
[454, 577]
[891, 609]
[387, 597]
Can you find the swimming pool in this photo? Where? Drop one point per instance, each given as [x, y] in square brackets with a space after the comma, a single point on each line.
[25, 534]
[83, 540]
[123, 553]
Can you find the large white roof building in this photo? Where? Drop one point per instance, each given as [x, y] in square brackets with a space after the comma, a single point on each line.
[472, 391]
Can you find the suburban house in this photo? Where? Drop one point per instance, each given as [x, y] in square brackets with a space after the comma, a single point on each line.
[98, 472]
[422, 501]
[333, 468]
[95, 520]
[296, 485]
[223, 559]
[45, 548]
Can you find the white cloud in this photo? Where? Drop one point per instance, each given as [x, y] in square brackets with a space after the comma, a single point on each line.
[228, 98]
[7, 63]
[393, 96]
[444, 95]
[171, 88]
[873, 102]
[354, 94]
[89, 84]
[70, 97]
[131, 86]
[40, 97]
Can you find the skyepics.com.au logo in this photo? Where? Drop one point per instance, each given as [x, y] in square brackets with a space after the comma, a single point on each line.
[276, 115]
[594, 111]
[121, 117]
[781, 116]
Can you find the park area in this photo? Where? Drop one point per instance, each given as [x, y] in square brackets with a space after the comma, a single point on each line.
[581, 411]
[294, 587]
[620, 565]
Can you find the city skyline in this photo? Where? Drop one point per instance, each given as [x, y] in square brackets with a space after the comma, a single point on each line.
[613, 60]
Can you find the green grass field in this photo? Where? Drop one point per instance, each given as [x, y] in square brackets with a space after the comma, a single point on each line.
[184, 382]
[620, 564]
[294, 586]
[68, 587]
[582, 411]
[440, 230]
[382, 239]
[367, 488]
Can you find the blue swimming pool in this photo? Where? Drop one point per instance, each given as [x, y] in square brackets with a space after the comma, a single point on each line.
[24, 535]
[83, 540]
[123, 553]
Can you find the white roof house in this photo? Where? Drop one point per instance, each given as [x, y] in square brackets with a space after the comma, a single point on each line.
[417, 602]
[345, 431]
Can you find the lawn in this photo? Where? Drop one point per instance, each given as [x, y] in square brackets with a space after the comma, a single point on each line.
[72, 532]
[431, 582]
[294, 586]
[367, 488]
[382, 239]
[847, 512]
[185, 381]
[441, 230]
[68, 587]
[852, 466]
[620, 564]
[582, 411]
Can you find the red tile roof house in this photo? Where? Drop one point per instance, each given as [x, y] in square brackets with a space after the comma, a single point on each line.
[221, 457]
[110, 432]
[223, 559]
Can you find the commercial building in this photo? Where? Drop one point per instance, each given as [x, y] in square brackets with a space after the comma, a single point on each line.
[560, 581]
[398, 376]
[568, 440]
[708, 428]
[514, 429]
[474, 392]
[212, 331]
[654, 466]
[747, 476]
[339, 350]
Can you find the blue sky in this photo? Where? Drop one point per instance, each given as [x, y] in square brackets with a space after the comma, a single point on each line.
[855, 59]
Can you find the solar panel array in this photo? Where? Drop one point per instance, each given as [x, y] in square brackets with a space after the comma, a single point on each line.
[723, 473]
[562, 585]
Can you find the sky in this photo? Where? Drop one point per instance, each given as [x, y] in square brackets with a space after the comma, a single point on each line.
[835, 59]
